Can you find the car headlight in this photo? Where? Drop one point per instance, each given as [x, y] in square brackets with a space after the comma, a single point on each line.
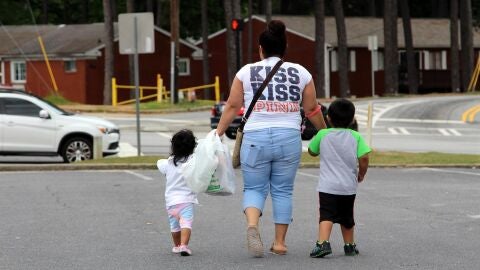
[108, 130]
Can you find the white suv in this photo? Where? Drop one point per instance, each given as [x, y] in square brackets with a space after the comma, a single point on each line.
[32, 126]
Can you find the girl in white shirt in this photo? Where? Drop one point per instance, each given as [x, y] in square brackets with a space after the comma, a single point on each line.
[179, 197]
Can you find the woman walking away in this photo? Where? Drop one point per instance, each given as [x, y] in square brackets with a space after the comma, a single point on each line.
[271, 146]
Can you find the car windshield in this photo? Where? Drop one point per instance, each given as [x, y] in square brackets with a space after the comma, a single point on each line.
[55, 108]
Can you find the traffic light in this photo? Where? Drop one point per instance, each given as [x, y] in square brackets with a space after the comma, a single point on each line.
[237, 24]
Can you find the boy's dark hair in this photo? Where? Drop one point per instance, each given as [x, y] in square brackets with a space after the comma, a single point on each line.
[183, 144]
[341, 113]
[274, 40]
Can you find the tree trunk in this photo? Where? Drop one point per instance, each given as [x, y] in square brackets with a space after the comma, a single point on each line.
[342, 48]
[150, 6]
[206, 71]
[454, 61]
[113, 4]
[391, 53]
[237, 13]
[467, 41]
[371, 8]
[411, 64]
[158, 17]
[250, 33]
[45, 11]
[320, 47]
[175, 37]
[231, 54]
[109, 56]
[268, 10]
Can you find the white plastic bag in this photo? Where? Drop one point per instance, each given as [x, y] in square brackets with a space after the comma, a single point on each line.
[199, 169]
[223, 180]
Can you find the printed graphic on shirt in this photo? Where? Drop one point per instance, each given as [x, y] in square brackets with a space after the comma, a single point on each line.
[281, 94]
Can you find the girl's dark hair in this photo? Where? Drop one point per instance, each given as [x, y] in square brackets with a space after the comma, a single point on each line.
[183, 144]
[274, 40]
[341, 113]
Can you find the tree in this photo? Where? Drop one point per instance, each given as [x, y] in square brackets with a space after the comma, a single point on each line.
[268, 10]
[454, 61]
[109, 56]
[249, 33]
[342, 48]
[411, 64]
[466, 26]
[231, 63]
[390, 40]
[320, 47]
[206, 72]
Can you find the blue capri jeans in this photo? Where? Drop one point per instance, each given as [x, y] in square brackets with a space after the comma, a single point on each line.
[269, 160]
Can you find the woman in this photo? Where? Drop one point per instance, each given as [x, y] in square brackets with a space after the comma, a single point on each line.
[271, 146]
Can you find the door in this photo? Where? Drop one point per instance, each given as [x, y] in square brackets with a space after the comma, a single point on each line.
[24, 130]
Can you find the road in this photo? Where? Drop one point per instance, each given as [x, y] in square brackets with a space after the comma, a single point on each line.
[116, 220]
[420, 124]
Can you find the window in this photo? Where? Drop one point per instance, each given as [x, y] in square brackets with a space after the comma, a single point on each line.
[19, 71]
[70, 65]
[183, 65]
[334, 61]
[352, 60]
[20, 107]
[436, 60]
[2, 71]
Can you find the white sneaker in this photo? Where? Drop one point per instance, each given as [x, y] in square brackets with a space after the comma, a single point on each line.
[185, 251]
[176, 250]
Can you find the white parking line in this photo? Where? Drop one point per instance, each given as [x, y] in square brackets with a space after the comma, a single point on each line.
[474, 216]
[444, 132]
[455, 132]
[392, 131]
[141, 176]
[404, 131]
[451, 171]
[307, 174]
[165, 135]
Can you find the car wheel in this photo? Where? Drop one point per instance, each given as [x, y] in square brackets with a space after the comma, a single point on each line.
[231, 134]
[77, 149]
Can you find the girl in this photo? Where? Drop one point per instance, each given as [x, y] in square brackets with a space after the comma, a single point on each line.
[178, 197]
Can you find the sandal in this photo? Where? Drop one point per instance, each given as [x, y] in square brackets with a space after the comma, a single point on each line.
[254, 242]
[278, 251]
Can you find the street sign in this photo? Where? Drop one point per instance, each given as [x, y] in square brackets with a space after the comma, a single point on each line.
[144, 32]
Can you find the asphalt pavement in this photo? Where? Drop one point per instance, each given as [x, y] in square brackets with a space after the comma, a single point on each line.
[407, 218]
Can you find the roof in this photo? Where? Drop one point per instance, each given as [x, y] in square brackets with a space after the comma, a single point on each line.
[427, 33]
[59, 40]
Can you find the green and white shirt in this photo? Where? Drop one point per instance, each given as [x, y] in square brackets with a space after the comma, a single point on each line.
[339, 151]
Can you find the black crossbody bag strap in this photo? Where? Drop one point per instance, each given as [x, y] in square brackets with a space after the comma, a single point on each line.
[258, 93]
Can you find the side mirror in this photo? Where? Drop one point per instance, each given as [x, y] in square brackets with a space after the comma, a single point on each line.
[44, 114]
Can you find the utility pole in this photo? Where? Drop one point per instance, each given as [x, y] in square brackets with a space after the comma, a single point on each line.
[174, 31]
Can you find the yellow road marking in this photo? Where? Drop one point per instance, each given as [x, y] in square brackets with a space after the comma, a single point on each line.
[469, 115]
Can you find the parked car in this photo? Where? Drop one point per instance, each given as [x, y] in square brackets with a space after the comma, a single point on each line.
[231, 132]
[32, 126]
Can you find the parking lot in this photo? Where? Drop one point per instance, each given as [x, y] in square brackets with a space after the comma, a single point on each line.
[418, 218]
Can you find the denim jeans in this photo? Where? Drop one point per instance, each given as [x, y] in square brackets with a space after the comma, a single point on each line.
[269, 160]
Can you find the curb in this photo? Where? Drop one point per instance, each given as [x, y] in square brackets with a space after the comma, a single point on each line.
[149, 166]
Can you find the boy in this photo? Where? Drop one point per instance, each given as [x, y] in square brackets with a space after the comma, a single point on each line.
[339, 148]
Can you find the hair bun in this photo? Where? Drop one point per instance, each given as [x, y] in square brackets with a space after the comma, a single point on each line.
[276, 27]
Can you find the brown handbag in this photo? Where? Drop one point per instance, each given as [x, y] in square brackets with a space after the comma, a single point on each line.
[239, 137]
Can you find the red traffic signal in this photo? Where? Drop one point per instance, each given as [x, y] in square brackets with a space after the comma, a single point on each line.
[237, 24]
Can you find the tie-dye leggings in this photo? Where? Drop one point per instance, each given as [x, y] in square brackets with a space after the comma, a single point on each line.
[180, 216]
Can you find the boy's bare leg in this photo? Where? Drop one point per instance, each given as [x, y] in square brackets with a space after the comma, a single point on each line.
[348, 234]
[176, 238]
[324, 231]
[185, 236]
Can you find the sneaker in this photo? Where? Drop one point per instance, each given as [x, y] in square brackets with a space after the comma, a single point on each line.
[176, 250]
[350, 249]
[254, 242]
[321, 250]
[185, 251]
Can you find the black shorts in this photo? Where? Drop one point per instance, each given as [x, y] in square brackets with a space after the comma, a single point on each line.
[337, 209]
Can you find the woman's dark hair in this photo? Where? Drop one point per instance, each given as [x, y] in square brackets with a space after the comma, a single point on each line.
[274, 40]
[183, 144]
[341, 113]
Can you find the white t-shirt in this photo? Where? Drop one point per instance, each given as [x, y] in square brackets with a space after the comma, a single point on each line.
[176, 189]
[279, 104]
